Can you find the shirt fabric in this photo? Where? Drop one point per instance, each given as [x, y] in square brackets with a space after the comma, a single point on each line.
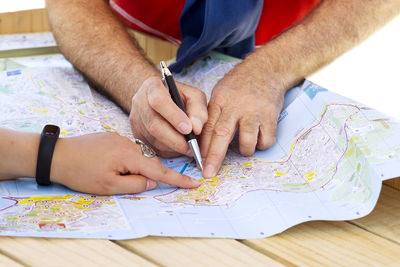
[232, 27]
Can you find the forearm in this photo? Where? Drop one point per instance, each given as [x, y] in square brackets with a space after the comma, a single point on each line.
[96, 42]
[332, 28]
[18, 154]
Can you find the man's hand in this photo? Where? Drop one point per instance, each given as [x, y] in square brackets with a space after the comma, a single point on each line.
[246, 100]
[242, 100]
[106, 163]
[158, 121]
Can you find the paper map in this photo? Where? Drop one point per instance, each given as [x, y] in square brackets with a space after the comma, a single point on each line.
[329, 161]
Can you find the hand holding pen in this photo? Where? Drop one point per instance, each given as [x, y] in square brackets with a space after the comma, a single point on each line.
[159, 122]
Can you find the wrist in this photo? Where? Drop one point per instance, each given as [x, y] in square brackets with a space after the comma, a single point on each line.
[59, 169]
[126, 86]
[258, 75]
[269, 67]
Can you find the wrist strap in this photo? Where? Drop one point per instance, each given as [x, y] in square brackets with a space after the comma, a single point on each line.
[48, 140]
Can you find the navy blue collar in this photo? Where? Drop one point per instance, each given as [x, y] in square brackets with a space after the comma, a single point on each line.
[227, 26]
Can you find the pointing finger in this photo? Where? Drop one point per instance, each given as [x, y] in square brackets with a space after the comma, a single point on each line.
[119, 184]
[224, 131]
[214, 111]
[154, 170]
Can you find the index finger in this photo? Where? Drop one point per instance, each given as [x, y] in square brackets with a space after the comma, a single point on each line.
[223, 133]
[154, 170]
[161, 102]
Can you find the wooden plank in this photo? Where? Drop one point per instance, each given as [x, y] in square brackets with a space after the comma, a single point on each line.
[155, 49]
[37, 21]
[394, 183]
[197, 252]
[384, 220]
[328, 243]
[6, 261]
[25, 52]
[24, 21]
[69, 252]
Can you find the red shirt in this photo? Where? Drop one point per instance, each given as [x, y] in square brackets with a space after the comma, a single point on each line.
[161, 18]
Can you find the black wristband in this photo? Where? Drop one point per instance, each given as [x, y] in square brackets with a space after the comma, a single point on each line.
[48, 140]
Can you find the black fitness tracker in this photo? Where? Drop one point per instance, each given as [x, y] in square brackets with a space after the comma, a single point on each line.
[48, 140]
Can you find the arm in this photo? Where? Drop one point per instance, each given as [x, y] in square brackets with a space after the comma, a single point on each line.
[77, 165]
[18, 153]
[96, 42]
[328, 31]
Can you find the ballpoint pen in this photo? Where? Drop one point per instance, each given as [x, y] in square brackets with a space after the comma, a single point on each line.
[173, 91]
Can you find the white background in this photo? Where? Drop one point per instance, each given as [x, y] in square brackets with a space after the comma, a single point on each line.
[370, 72]
[15, 5]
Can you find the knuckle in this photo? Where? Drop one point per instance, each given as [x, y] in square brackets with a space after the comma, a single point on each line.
[222, 131]
[155, 100]
[151, 81]
[203, 115]
[154, 128]
[208, 128]
[215, 106]
[213, 156]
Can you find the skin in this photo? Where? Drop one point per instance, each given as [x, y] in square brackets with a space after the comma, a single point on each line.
[248, 99]
[102, 40]
[121, 169]
[252, 103]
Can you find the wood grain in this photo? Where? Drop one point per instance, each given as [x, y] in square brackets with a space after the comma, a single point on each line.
[371, 240]
[154, 48]
[169, 251]
[69, 252]
[24, 21]
[384, 220]
[394, 183]
[328, 243]
[6, 261]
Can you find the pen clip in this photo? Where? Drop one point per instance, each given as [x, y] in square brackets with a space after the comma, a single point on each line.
[164, 69]
[164, 72]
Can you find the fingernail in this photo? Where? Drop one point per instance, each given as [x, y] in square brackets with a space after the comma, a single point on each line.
[184, 127]
[189, 153]
[209, 170]
[150, 184]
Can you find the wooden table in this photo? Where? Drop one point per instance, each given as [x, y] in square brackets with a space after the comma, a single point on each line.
[372, 240]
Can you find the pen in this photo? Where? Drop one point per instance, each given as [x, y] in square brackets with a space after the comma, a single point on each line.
[173, 91]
